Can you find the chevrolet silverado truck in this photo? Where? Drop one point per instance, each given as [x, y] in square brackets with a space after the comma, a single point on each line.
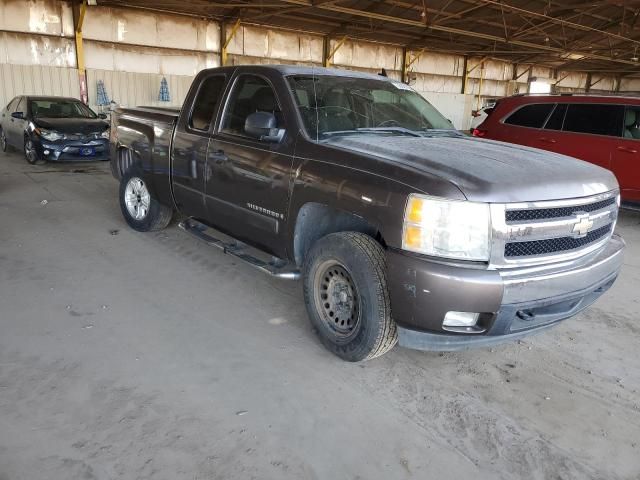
[402, 229]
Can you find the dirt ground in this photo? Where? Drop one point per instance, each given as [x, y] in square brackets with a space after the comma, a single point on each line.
[138, 356]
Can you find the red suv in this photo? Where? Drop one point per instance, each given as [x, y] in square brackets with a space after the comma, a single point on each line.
[604, 130]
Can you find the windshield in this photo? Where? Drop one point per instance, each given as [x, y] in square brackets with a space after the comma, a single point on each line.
[60, 108]
[341, 105]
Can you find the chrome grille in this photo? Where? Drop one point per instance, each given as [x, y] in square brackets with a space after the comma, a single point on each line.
[541, 232]
[544, 213]
[553, 245]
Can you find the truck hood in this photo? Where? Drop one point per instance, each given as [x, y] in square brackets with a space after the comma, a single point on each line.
[486, 170]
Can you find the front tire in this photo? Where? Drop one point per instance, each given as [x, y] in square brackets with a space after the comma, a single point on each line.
[30, 152]
[140, 210]
[346, 295]
[3, 141]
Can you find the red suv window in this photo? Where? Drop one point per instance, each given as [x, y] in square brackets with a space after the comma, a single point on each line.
[594, 118]
[533, 115]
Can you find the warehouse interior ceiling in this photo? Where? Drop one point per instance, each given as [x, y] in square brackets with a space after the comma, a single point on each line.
[587, 36]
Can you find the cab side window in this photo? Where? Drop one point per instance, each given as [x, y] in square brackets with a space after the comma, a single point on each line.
[532, 116]
[632, 123]
[596, 119]
[250, 94]
[206, 103]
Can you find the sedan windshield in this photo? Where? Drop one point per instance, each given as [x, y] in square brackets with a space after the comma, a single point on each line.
[60, 108]
[332, 105]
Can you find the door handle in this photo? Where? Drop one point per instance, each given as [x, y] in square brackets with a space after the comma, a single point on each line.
[547, 140]
[627, 149]
[219, 156]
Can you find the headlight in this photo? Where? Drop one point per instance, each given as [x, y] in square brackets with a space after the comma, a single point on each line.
[105, 133]
[50, 135]
[446, 228]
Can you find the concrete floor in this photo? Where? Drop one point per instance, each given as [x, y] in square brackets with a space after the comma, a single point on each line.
[141, 356]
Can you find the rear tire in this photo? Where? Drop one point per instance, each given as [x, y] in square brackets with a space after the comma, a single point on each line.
[346, 295]
[140, 210]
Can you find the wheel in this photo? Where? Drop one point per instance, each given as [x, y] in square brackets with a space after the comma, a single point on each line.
[141, 211]
[30, 152]
[345, 292]
[3, 141]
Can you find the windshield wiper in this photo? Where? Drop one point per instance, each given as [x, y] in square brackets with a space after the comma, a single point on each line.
[396, 130]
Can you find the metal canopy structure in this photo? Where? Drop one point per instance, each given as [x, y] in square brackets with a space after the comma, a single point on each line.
[591, 36]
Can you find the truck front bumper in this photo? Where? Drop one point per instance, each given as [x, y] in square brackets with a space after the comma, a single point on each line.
[512, 304]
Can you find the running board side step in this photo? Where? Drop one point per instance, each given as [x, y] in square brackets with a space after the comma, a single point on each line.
[276, 267]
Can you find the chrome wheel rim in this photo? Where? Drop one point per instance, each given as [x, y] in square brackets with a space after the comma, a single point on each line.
[336, 298]
[30, 151]
[137, 198]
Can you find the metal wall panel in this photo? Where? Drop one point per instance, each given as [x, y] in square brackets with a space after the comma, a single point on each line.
[134, 89]
[36, 80]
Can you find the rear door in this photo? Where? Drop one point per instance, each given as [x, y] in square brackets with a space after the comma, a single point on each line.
[587, 131]
[247, 192]
[190, 145]
[626, 156]
[5, 119]
[523, 126]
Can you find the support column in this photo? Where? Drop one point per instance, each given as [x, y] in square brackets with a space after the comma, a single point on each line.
[465, 75]
[78, 18]
[405, 67]
[329, 57]
[225, 40]
[587, 86]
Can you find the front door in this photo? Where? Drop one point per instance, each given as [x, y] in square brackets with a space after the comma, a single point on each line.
[248, 188]
[15, 132]
[626, 157]
[190, 145]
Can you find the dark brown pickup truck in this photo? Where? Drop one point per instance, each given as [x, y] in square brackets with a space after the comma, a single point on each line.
[401, 228]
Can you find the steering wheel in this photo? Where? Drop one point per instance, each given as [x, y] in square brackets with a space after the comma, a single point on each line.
[388, 123]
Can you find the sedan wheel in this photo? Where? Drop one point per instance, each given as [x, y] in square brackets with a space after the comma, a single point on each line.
[30, 152]
[3, 141]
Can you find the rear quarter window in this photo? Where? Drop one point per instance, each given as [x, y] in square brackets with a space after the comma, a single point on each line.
[532, 116]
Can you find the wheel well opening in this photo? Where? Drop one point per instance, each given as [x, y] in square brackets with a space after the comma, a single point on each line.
[126, 159]
[316, 220]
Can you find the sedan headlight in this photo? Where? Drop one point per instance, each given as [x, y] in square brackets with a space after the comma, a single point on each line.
[50, 135]
[105, 134]
[447, 228]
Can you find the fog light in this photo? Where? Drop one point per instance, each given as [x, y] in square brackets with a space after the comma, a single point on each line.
[46, 152]
[460, 319]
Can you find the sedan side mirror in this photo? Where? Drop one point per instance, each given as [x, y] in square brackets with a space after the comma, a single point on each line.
[103, 116]
[264, 126]
[18, 115]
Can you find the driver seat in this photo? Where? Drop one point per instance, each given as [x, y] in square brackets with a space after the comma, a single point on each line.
[337, 113]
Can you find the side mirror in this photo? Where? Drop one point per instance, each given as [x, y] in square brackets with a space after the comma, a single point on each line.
[18, 115]
[263, 125]
[103, 116]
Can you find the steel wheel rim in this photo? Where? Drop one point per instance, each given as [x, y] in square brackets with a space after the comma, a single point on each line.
[30, 151]
[336, 298]
[137, 198]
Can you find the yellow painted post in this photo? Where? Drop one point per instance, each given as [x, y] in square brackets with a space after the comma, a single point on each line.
[223, 52]
[82, 74]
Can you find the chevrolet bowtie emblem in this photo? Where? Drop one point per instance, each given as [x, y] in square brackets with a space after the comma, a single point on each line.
[582, 225]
